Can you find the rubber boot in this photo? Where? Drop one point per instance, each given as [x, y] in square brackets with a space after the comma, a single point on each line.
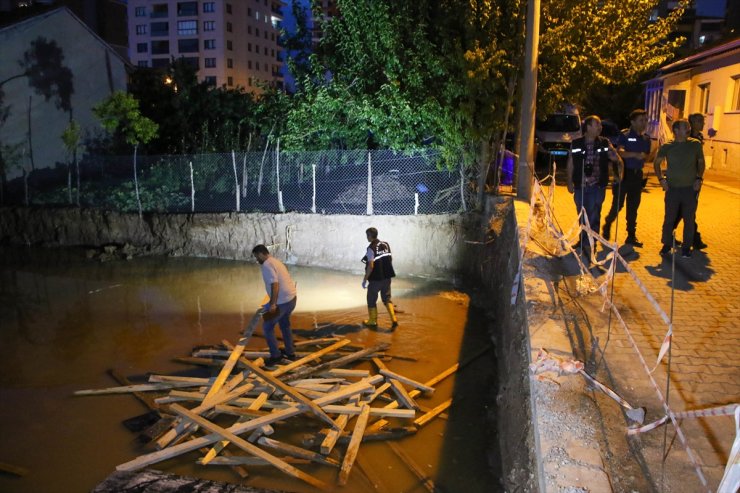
[392, 313]
[372, 320]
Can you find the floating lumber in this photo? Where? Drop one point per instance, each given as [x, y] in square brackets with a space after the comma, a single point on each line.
[249, 448]
[190, 360]
[365, 385]
[403, 396]
[332, 435]
[293, 393]
[129, 389]
[218, 447]
[337, 362]
[298, 452]
[243, 460]
[424, 419]
[307, 359]
[425, 389]
[316, 342]
[354, 445]
[413, 466]
[342, 372]
[14, 470]
[143, 398]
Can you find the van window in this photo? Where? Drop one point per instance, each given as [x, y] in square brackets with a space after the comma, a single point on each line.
[560, 123]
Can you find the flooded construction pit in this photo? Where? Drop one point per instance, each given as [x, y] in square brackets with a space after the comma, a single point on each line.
[66, 320]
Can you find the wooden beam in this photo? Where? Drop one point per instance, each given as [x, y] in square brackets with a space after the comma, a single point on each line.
[249, 448]
[332, 435]
[354, 445]
[298, 452]
[365, 385]
[412, 383]
[337, 362]
[341, 372]
[219, 446]
[422, 420]
[413, 466]
[145, 399]
[129, 389]
[243, 460]
[307, 359]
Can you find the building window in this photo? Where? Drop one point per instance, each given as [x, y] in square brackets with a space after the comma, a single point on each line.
[272, 36]
[229, 45]
[209, 44]
[265, 34]
[229, 81]
[210, 80]
[140, 12]
[160, 47]
[209, 7]
[228, 8]
[735, 93]
[249, 64]
[187, 8]
[256, 31]
[141, 29]
[257, 14]
[160, 10]
[210, 62]
[272, 53]
[209, 25]
[187, 27]
[703, 106]
[256, 65]
[142, 47]
[187, 45]
[160, 28]
[143, 63]
[249, 82]
[249, 12]
[228, 27]
[249, 29]
[229, 63]
[192, 61]
[160, 62]
[257, 49]
[249, 47]
[265, 50]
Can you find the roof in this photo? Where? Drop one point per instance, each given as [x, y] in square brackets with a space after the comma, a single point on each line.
[698, 58]
[29, 22]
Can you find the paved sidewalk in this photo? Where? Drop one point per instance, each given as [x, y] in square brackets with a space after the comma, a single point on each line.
[705, 368]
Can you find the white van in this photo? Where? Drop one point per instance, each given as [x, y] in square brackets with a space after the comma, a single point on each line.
[553, 137]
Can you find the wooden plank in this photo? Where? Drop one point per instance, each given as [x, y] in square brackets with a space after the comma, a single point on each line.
[401, 394]
[374, 411]
[14, 470]
[249, 448]
[424, 419]
[316, 342]
[293, 393]
[343, 372]
[219, 446]
[129, 389]
[307, 359]
[189, 360]
[362, 386]
[242, 460]
[408, 381]
[145, 399]
[332, 435]
[335, 363]
[298, 452]
[354, 445]
[413, 466]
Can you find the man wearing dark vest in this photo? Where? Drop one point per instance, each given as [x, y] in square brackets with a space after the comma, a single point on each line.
[378, 274]
[588, 173]
[681, 182]
[633, 145]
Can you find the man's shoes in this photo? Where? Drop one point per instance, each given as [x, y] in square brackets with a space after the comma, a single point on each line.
[272, 362]
[632, 240]
[666, 250]
[288, 356]
[686, 252]
[699, 245]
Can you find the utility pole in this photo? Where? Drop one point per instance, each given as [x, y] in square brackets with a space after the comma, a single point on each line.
[529, 102]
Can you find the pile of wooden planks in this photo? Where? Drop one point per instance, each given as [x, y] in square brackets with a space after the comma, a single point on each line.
[231, 416]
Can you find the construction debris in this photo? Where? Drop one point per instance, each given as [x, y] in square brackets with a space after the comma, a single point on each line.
[229, 415]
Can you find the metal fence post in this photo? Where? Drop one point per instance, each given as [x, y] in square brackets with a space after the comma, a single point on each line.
[313, 198]
[369, 211]
[236, 181]
[192, 188]
[462, 186]
[281, 207]
[416, 203]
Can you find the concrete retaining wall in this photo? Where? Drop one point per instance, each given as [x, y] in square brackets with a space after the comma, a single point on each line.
[426, 246]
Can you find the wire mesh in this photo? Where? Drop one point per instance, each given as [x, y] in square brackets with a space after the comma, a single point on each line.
[324, 182]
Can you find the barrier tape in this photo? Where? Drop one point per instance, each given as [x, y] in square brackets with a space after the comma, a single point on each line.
[728, 410]
[550, 224]
[731, 480]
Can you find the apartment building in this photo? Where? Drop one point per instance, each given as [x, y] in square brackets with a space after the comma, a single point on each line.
[232, 43]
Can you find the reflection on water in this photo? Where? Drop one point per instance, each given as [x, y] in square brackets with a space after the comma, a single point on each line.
[65, 320]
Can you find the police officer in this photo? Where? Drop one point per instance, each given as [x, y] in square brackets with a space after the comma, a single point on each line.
[378, 273]
[587, 173]
[634, 146]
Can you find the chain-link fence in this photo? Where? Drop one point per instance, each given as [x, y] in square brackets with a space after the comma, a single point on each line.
[325, 182]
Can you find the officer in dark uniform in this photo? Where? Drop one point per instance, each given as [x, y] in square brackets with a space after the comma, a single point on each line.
[634, 146]
[378, 274]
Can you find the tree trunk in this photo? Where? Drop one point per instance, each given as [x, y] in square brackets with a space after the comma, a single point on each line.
[77, 168]
[484, 157]
[30, 142]
[136, 183]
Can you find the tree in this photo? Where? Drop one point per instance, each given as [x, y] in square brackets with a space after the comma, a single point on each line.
[71, 139]
[120, 114]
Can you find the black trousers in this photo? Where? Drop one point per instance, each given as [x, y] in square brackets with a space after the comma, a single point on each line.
[680, 202]
[630, 191]
[374, 287]
[697, 235]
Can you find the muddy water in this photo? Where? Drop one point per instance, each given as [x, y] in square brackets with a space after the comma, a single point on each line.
[65, 320]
